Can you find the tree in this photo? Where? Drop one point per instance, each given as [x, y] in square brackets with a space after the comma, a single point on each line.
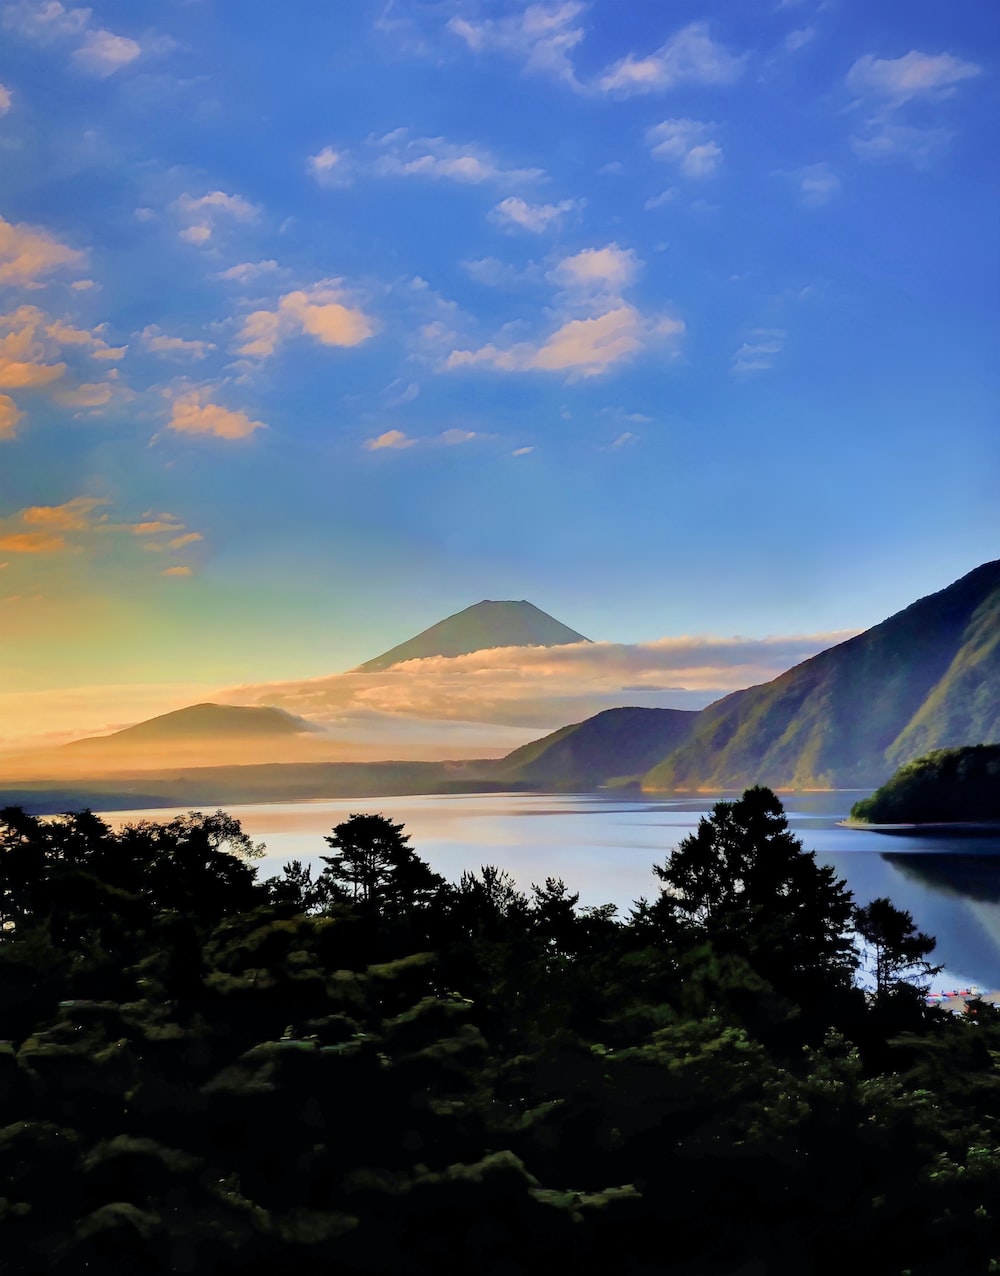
[745, 882]
[896, 950]
[376, 866]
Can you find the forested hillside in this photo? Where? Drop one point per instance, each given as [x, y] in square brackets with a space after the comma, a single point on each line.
[946, 786]
[375, 1071]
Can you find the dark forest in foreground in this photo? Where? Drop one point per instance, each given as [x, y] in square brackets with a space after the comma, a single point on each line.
[379, 1072]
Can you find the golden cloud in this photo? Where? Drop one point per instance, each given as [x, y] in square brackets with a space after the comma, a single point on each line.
[22, 363]
[319, 312]
[28, 252]
[10, 414]
[193, 413]
[32, 543]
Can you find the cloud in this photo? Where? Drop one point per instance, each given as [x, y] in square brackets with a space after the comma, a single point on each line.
[5, 99]
[192, 412]
[585, 347]
[71, 516]
[437, 159]
[818, 184]
[534, 217]
[157, 341]
[103, 53]
[897, 80]
[757, 354]
[657, 201]
[888, 86]
[89, 395]
[688, 144]
[544, 687]
[540, 36]
[597, 270]
[497, 274]
[522, 451]
[28, 252]
[46, 22]
[318, 311]
[624, 439]
[799, 38]
[203, 211]
[247, 270]
[32, 543]
[390, 439]
[690, 56]
[330, 167]
[22, 363]
[176, 571]
[10, 414]
[453, 438]
[188, 538]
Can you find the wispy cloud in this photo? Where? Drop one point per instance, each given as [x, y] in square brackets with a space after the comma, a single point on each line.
[6, 97]
[690, 56]
[47, 22]
[85, 523]
[390, 440]
[758, 352]
[158, 342]
[609, 331]
[537, 218]
[201, 213]
[437, 159]
[817, 184]
[331, 167]
[540, 36]
[913, 75]
[245, 271]
[889, 87]
[687, 143]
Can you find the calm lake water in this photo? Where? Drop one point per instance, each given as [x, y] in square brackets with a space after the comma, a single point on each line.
[604, 847]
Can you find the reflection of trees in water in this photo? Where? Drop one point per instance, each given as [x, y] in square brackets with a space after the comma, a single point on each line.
[975, 877]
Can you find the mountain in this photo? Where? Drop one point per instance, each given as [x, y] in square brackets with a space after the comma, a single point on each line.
[200, 722]
[926, 678]
[616, 743]
[478, 628]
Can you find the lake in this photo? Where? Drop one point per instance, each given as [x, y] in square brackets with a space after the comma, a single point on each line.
[604, 847]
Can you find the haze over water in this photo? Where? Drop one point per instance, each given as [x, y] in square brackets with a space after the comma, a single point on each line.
[604, 848]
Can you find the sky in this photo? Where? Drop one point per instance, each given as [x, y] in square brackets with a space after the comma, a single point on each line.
[320, 322]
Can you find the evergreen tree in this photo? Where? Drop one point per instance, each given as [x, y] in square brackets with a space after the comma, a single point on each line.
[746, 883]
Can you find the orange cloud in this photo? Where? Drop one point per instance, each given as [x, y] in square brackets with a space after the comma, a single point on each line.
[176, 571]
[192, 413]
[188, 538]
[28, 252]
[21, 362]
[390, 439]
[32, 543]
[71, 516]
[10, 414]
[319, 312]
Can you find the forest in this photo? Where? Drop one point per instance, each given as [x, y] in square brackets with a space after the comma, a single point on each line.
[372, 1070]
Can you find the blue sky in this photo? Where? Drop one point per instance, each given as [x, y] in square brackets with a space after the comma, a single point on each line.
[323, 321]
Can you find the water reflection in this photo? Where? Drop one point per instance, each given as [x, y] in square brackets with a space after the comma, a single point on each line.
[604, 846]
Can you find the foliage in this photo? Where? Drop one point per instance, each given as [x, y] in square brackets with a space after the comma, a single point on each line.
[372, 1071]
[946, 786]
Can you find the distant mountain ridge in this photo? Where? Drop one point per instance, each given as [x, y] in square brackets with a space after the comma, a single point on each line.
[614, 744]
[926, 678]
[202, 722]
[481, 627]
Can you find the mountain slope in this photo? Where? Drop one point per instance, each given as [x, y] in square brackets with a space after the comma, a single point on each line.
[615, 743]
[478, 628]
[926, 678]
[206, 722]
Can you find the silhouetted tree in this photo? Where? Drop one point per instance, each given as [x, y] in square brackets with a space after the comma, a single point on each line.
[744, 881]
[376, 867]
[897, 952]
